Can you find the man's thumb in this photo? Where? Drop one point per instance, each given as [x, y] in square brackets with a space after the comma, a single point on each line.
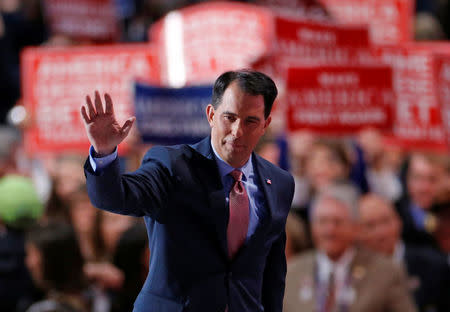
[127, 126]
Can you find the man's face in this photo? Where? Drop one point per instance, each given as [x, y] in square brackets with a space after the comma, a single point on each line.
[323, 167]
[422, 181]
[380, 226]
[333, 228]
[237, 124]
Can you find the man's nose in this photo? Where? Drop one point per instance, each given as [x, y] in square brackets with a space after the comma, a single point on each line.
[237, 129]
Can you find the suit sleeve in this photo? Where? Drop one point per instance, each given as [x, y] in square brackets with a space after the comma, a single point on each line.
[275, 269]
[399, 298]
[143, 192]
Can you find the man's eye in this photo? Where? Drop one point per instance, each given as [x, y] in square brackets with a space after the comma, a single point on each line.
[230, 118]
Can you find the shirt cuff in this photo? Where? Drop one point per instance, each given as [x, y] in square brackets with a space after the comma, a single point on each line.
[99, 163]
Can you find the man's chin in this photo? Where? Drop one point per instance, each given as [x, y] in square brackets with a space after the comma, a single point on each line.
[236, 158]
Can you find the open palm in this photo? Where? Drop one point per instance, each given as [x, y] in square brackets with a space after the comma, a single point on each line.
[102, 128]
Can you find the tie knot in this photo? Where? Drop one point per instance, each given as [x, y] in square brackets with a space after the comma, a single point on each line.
[331, 277]
[236, 174]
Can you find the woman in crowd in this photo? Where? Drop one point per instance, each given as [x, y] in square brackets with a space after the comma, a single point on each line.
[56, 266]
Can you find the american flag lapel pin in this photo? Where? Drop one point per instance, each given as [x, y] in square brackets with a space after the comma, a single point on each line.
[268, 181]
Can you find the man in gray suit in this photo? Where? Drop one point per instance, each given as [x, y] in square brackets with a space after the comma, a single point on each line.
[338, 275]
[428, 271]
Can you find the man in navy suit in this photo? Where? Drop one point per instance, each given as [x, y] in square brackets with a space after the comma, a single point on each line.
[215, 211]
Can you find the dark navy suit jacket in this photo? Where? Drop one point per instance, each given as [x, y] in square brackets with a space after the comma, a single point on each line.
[410, 233]
[429, 277]
[179, 193]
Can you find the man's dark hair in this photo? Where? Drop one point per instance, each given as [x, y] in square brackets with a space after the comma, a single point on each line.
[251, 82]
[62, 261]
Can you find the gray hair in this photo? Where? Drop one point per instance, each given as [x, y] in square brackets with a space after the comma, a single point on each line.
[345, 193]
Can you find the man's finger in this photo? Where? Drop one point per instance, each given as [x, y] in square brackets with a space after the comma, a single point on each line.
[127, 126]
[109, 108]
[91, 109]
[98, 103]
[84, 115]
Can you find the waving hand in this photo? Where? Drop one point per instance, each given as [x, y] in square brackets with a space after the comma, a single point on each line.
[102, 128]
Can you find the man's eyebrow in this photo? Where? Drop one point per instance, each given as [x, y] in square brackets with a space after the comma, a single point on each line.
[229, 113]
[254, 118]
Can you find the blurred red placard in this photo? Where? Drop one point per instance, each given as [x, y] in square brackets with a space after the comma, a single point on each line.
[390, 21]
[300, 31]
[442, 75]
[56, 81]
[311, 9]
[299, 42]
[92, 20]
[417, 119]
[200, 42]
[339, 99]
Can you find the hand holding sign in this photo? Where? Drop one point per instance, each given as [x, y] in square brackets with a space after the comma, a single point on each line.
[102, 128]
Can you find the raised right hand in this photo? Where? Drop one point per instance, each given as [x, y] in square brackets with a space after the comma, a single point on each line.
[102, 128]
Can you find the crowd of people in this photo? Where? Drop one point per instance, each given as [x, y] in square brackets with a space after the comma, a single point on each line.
[56, 248]
[383, 210]
[362, 198]
[386, 207]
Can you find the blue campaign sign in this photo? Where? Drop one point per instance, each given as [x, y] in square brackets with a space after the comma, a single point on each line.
[171, 116]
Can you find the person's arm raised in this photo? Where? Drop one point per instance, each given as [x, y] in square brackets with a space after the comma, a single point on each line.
[102, 128]
[142, 192]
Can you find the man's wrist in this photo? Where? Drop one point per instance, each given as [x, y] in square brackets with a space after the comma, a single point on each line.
[101, 154]
[98, 162]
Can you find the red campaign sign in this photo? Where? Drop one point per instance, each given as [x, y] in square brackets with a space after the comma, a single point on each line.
[390, 21]
[92, 20]
[311, 9]
[300, 31]
[442, 74]
[417, 120]
[200, 42]
[56, 81]
[300, 42]
[339, 99]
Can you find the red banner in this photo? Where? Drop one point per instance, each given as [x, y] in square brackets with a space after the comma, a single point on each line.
[93, 20]
[417, 121]
[339, 100]
[310, 9]
[200, 42]
[390, 21]
[300, 42]
[442, 74]
[56, 81]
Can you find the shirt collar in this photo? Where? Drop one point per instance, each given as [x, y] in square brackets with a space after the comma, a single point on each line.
[340, 267]
[225, 168]
[399, 252]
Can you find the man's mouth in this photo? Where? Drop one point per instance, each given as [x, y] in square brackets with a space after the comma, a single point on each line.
[235, 144]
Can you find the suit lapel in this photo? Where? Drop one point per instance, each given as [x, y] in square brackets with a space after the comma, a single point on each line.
[358, 277]
[265, 181]
[308, 286]
[263, 172]
[208, 174]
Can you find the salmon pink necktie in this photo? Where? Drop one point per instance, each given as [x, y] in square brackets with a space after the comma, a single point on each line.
[239, 214]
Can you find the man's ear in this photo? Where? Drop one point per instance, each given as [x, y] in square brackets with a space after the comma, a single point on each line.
[267, 122]
[210, 113]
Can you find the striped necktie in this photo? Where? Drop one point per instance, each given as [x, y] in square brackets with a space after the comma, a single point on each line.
[239, 214]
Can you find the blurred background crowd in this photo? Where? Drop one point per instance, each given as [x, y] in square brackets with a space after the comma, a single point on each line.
[59, 253]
